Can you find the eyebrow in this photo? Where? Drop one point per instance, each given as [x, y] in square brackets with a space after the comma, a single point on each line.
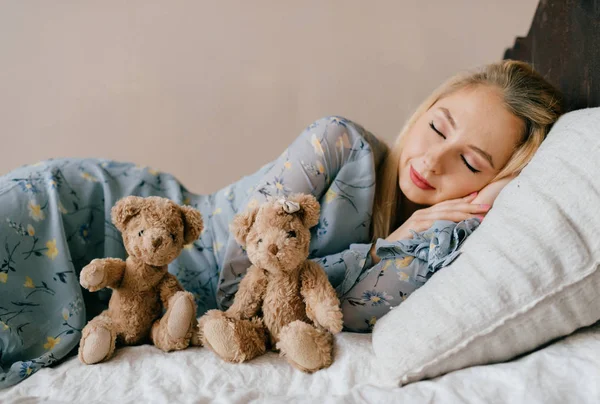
[448, 116]
[484, 154]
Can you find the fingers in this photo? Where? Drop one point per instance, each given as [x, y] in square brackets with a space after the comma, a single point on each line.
[469, 198]
[455, 210]
[466, 207]
[452, 216]
[440, 209]
[465, 199]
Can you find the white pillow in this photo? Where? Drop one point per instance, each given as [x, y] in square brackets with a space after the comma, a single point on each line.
[528, 275]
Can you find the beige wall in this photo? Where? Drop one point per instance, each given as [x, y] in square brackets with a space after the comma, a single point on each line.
[211, 90]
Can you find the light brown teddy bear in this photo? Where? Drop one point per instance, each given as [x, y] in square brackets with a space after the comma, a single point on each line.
[285, 302]
[154, 232]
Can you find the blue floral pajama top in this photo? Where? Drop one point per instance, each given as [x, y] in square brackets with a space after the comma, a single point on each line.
[55, 218]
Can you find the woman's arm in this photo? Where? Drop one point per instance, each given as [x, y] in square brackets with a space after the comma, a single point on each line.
[404, 266]
[335, 161]
[344, 268]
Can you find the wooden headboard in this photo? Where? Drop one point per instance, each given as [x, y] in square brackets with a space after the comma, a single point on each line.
[563, 44]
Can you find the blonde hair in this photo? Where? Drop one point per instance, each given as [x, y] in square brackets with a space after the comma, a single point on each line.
[525, 93]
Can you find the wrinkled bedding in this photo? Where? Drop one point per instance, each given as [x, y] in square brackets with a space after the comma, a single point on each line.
[565, 371]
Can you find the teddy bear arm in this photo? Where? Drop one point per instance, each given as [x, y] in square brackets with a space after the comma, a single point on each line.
[101, 273]
[167, 289]
[249, 297]
[322, 303]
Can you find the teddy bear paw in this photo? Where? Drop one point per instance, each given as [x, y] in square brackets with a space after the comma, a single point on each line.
[305, 347]
[96, 346]
[181, 316]
[221, 337]
[332, 320]
[92, 276]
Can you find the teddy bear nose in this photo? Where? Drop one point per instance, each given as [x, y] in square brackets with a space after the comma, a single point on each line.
[156, 242]
[273, 249]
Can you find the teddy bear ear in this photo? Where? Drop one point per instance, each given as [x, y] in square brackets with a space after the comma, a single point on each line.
[124, 210]
[241, 225]
[192, 224]
[309, 208]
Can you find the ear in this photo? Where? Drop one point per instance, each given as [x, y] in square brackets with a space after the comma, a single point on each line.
[192, 224]
[124, 210]
[241, 225]
[309, 208]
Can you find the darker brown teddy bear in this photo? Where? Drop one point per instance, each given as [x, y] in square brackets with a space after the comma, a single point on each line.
[154, 231]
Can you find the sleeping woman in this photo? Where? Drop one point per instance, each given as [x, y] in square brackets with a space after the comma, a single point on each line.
[390, 216]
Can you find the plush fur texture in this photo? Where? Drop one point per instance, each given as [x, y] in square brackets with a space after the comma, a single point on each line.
[285, 302]
[154, 231]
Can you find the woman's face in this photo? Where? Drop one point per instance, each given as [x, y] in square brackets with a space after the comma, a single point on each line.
[457, 146]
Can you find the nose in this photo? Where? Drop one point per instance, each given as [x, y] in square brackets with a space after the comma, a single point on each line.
[434, 158]
[273, 249]
[156, 242]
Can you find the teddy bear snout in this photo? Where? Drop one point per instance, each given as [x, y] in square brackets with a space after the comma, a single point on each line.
[157, 242]
[273, 249]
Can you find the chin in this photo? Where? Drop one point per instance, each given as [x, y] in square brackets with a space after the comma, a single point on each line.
[415, 194]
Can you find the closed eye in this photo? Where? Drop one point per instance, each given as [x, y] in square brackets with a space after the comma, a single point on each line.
[291, 233]
[469, 166]
[432, 126]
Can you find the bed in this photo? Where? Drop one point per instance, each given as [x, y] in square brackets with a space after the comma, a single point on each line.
[564, 45]
[564, 372]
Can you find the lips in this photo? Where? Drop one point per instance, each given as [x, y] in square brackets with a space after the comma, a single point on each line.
[419, 181]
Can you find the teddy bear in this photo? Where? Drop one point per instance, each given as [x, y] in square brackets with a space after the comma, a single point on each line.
[285, 301]
[154, 231]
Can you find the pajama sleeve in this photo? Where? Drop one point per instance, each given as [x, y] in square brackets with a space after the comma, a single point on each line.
[404, 267]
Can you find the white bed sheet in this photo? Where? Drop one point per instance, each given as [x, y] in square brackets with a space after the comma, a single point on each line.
[567, 371]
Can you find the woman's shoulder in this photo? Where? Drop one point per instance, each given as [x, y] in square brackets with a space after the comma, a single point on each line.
[378, 146]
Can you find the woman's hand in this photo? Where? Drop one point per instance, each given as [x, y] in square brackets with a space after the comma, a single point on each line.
[475, 205]
[489, 193]
[455, 210]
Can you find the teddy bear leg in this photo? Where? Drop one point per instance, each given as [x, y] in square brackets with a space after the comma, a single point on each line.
[174, 330]
[98, 338]
[306, 347]
[233, 340]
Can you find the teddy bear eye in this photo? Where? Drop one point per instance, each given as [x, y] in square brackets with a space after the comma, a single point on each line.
[291, 233]
[173, 236]
[140, 233]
